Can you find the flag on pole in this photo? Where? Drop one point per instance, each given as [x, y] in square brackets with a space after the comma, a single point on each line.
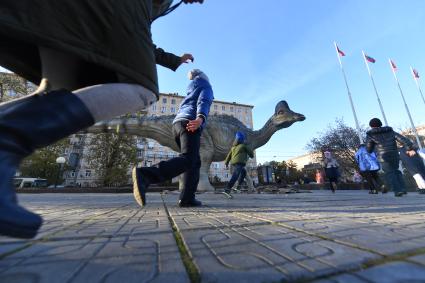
[340, 51]
[415, 73]
[370, 59]
[393, 65]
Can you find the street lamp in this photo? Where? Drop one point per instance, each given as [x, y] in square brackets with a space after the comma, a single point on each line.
[60, 161]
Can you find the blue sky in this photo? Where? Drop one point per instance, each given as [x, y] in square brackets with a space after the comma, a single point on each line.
[260, 52]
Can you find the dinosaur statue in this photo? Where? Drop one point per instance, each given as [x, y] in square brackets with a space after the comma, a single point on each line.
[217, 137]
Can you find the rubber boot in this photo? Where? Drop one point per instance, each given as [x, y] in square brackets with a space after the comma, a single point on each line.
[27, 124]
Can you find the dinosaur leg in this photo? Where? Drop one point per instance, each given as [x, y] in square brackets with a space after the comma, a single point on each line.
[204, 182]
[248, 180]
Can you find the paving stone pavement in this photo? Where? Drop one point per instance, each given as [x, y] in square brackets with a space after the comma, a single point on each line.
[349, 236]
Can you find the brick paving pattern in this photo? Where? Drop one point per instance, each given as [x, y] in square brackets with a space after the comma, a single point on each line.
[349, 236]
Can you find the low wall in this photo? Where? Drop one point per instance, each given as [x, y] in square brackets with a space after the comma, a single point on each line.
[341, 186]
[90, 190]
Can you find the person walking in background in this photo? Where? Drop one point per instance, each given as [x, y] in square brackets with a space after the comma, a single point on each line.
[94, 60]
[384, 140]
[187, 129]
[331, 170]
[357, 178]
[320, 179]
[414, 164]
[369, 168]
[237, 156]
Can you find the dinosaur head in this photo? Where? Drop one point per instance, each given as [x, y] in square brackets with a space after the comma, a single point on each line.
[284, 117]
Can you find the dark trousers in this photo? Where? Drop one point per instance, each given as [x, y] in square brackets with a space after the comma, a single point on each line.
[372, 179]
[188, 162]
[239, 173]
[332, 175]
[393, 176]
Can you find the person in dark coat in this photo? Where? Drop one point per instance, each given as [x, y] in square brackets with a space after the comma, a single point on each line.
[94, 60]
[383, 140]
[414, 164]
[187, 129]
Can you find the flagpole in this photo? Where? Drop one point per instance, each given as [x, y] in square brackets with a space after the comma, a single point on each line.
[349, 94]
[405, 105]
[374, 87]
[417, 84]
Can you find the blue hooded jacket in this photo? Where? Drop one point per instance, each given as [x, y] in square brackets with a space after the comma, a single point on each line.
[366, 161]
[197, 102]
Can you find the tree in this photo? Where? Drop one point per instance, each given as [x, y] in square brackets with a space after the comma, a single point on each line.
[14, 86]
[279, 170]
[293, 173]
[42, 163]
[111, 155]
[342, 140]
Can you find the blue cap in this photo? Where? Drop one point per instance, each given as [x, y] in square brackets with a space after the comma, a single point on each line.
[240, 137]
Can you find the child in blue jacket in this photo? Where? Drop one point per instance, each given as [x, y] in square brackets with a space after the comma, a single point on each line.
[369, 167]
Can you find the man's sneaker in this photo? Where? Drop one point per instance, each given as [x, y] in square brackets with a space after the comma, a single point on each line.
[140, 186]
[227, 193]
[192, 203]
[399, 194]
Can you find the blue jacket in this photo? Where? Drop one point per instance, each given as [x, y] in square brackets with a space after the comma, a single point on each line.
[367, 161]
[197, 102]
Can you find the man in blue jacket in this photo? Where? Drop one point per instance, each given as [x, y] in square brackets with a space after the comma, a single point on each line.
[187, 129]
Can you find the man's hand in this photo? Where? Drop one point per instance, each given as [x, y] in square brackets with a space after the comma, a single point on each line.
[185, 58]
[193, 1]
[193, 125]
[411, 153]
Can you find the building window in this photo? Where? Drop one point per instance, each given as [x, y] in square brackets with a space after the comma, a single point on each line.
[215, 107]
[173, 101]
[163, 109]
[223, 108]
[72, 174]
[153, 107]
[150, 145]
[239, 110]
[231, 108]
[173, 109]
[139, 153]
[164, 100]
[88, 173]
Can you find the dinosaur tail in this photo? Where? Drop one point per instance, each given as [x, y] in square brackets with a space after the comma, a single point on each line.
[113, 126]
